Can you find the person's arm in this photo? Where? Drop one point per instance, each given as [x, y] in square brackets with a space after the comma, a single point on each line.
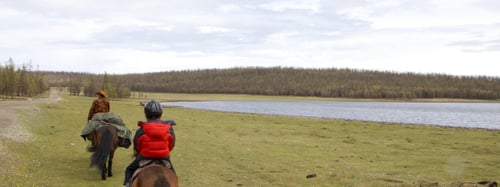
[137, 147]
[91, 111]
[171, 122]
[171, 144]
[107, 104]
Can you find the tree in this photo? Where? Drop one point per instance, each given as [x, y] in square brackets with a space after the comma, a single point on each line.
[124, 92]
[75, 86]
[108, 86]
[91, 88]
[11, 79]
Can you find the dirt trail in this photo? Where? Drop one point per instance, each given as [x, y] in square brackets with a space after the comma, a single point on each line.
[12, 129]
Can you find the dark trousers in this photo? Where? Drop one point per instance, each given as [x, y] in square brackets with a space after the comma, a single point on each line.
[135, 164]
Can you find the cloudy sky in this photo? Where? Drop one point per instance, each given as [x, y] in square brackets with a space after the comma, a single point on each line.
[129, 36]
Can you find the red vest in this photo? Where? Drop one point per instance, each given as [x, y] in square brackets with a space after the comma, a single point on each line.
[156, 142]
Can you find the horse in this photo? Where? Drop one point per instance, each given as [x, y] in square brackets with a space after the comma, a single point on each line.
[105, 141]
[157, 173]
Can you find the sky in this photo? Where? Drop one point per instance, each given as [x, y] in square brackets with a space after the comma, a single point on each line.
[129, 36]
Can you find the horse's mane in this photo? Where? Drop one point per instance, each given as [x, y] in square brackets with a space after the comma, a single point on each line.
[161, 181]
[155, 175]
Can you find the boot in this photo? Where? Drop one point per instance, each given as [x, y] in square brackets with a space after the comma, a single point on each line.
[91, 148]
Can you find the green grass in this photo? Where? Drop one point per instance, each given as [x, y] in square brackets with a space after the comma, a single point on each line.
[233, 149]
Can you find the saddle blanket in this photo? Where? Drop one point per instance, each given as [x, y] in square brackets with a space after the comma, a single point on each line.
[107, 118]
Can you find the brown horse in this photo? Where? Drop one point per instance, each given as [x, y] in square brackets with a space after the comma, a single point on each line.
[157, 174]
[105, 142]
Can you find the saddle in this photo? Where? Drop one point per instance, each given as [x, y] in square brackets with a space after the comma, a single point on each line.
[143, 164]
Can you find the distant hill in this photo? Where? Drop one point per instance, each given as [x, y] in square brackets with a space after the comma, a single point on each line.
[333, 82]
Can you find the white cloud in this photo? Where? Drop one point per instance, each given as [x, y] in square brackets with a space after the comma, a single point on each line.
[212, 29]
[280, 6]
[421, 14]
[455, 37]
[229, 8]
[9, 12]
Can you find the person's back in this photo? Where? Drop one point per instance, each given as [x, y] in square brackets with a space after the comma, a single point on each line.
[153, 140]
[100, 105]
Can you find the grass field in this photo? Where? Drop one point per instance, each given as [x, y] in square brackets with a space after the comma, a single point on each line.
[232, 149]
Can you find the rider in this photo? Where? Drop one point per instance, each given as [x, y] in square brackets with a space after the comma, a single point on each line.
[100, 105]
[153, 140]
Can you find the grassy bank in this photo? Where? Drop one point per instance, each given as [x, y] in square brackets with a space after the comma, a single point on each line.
[228, 149]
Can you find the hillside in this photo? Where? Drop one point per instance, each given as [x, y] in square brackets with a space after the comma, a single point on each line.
[349, 83]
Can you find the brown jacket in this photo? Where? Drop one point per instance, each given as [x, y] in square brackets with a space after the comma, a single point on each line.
[100, 105]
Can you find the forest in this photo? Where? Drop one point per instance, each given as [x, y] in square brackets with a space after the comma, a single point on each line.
[285, 81]
[20, 81]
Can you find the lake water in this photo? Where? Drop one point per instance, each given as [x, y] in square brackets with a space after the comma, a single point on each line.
[475, 115]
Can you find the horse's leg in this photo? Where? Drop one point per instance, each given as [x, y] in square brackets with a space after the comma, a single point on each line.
[110, 163]
[112, 152]
[103, 171]
[103, 174]
[104, 168]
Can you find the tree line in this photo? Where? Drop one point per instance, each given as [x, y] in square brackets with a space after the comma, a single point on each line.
[332, 82]
[20, 81]
[88, 84]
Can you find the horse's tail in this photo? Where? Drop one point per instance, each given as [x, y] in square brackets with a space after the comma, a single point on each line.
[102, 150]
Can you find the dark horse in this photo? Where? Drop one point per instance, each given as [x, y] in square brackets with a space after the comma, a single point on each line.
[105, 142]
[157, 174]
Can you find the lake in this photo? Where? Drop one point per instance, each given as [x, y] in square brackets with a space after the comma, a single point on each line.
[473, 115]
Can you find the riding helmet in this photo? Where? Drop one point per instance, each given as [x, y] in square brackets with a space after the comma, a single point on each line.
[153, 109]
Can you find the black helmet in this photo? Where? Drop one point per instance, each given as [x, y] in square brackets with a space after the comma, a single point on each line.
[153, 109]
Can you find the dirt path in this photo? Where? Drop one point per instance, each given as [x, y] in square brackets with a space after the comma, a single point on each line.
[12, 129]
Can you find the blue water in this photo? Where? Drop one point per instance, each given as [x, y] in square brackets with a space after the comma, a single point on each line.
[475, 115]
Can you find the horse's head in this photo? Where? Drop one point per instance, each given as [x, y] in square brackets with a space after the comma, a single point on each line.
[155, 173]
